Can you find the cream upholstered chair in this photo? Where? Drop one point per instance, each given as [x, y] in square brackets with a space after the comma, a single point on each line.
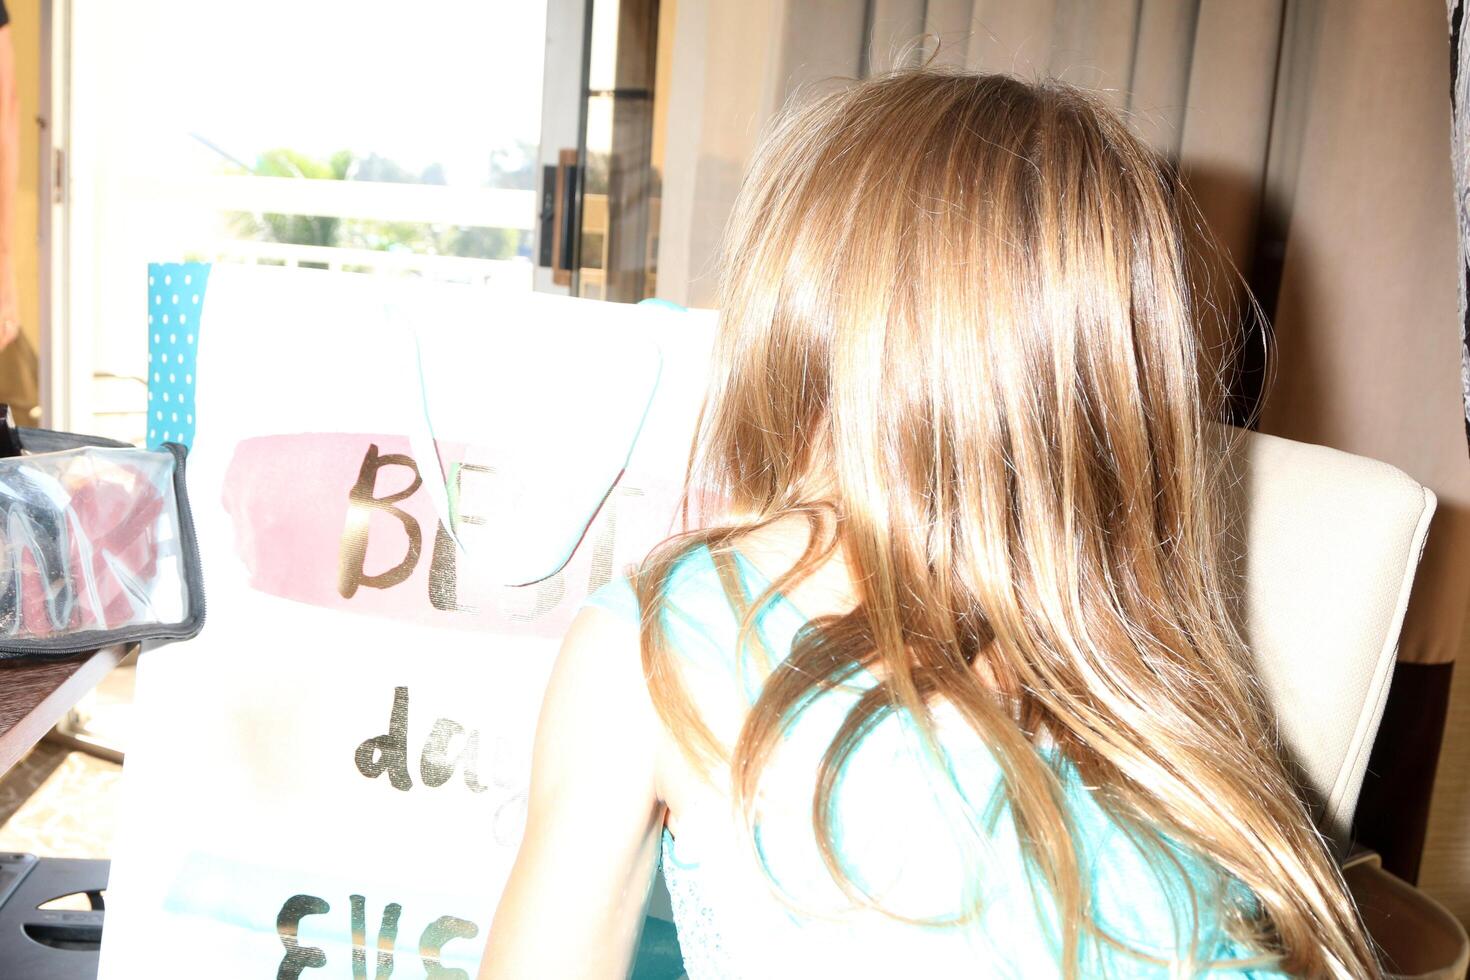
[1329, 545]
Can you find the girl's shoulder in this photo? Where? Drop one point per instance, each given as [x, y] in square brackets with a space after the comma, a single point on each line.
[691, 580]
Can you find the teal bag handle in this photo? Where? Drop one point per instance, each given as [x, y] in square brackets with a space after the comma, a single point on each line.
[574, 506]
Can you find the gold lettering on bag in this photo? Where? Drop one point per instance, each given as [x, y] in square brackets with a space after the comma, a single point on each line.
[299, 958]
[480, 497]
[389, 752]
[443, 568]
[361, 504]
[435, 936]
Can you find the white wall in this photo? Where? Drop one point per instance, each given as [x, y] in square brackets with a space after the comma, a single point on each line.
[734, 65]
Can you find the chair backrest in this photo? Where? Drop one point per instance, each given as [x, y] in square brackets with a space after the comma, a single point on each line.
[1330, 545]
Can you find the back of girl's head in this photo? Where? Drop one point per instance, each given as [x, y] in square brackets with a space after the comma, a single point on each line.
[958, 335]
[932, 266]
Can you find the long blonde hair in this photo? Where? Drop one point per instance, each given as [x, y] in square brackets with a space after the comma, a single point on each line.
[959, 337]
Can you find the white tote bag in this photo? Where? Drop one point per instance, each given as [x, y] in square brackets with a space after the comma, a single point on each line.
[402, 493]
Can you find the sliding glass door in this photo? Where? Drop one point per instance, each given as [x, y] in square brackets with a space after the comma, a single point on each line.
[354, 135]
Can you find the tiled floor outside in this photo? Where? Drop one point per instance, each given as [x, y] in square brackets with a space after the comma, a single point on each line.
[62, 803]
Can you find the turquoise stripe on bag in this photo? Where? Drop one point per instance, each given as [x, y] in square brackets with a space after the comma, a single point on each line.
[175, 306]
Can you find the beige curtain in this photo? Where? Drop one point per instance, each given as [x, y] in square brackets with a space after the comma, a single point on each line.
[1315, 136]
[1196, 78]
[1367, 326]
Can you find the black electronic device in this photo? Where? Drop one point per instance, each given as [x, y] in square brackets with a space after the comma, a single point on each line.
[49, 944]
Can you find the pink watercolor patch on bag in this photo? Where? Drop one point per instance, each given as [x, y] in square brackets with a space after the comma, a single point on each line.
[344, 521]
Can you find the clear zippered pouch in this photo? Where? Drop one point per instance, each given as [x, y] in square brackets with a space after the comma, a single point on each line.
[97, 546]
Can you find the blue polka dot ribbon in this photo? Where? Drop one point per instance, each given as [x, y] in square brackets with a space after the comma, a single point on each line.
[175, 305]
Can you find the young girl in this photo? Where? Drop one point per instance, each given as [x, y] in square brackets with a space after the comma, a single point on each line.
[948, 685]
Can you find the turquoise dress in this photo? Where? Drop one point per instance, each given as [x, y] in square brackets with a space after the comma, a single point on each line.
[911, 831]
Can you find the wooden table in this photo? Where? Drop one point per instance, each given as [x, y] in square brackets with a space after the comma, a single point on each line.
[36, 695]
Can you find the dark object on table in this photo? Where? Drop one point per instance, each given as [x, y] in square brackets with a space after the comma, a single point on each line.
[50, 944]
[9, 437]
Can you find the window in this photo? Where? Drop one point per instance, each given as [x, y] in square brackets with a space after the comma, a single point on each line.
[351, 135]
